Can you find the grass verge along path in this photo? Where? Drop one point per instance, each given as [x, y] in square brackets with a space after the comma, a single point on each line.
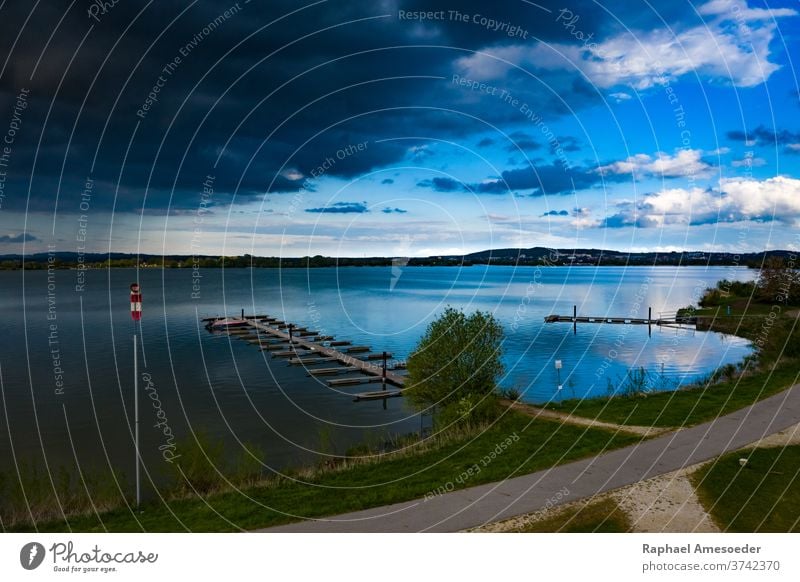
[761, 496]
[540, 444]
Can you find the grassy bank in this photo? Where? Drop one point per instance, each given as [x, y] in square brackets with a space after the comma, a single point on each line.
[761, 496]
[601, 516]
[775, 333]
[687, 406]
[392, 478]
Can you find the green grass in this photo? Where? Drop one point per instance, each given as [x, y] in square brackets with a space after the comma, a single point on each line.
[602, 516]
[541, 444]
[762, 496]
[687, 406]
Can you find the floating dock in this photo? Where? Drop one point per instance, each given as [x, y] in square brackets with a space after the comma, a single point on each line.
[374, 372]
[663, 320]
[305, 347]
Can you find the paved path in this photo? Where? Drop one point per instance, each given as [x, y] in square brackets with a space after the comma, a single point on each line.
[487, 503]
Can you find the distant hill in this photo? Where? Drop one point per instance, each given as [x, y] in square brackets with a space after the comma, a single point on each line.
[507, 256]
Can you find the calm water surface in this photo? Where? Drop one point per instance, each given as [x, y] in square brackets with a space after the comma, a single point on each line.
[230, 390]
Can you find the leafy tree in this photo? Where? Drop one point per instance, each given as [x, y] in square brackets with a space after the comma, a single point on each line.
[457, 362]
[778, 282]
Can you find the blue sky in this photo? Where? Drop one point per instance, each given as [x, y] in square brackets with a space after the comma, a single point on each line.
[402, 128]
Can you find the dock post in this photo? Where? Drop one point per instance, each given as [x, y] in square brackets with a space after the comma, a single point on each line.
[291, 325]
[242, 312]
[649, 322]
[575, 319]
[383, 376]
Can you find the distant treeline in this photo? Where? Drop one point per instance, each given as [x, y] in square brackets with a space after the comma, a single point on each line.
[519, 257]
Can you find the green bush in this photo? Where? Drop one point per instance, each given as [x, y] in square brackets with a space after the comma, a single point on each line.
[457, 364]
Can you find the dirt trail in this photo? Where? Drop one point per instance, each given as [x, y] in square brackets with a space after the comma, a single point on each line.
[537, 412]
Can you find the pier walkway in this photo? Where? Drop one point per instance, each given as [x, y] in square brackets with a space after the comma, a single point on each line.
[362, 366]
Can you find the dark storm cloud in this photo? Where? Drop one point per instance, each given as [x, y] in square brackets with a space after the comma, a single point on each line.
[566, 143]
[441, 184]
[556, 213]
[767, 137]
[17, 238]
[522, 141]
[543, 180]
[341, 208]
[109, 106]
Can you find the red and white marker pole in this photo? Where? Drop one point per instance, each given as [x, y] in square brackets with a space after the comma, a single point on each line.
[136, 315]
[136, 302]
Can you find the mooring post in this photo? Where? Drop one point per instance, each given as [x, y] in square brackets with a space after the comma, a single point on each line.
[385, 355]
[649, 322]
[291, 325]
[242, 312]
[575, 319]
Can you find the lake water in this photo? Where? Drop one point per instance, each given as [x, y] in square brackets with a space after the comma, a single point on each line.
[232, 391]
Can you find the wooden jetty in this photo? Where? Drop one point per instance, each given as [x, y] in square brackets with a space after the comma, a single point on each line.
[372, 370]
[307, 347]
[666, 320]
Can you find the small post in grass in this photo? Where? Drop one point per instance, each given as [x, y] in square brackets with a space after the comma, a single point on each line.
[559, 365]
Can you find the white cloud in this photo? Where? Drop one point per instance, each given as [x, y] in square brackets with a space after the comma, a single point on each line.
[292, 174]
[732, 44]
[735, 200]
[738, 11]
[582, 218]
[620, 96]
[683, 163]
[749, 162]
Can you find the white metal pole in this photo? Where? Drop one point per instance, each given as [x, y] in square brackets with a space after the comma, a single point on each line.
[136, 416]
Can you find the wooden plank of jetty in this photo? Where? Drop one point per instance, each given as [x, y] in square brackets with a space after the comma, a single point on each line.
[290, 353]
[332, 371]
[306, 361]
[355, 380]
[340, 343]
[378, 395]
[274, 347]
[375, 356]
[221, 317]
[357, 349]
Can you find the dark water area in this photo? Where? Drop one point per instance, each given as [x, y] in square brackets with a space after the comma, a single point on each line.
[66, 363]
